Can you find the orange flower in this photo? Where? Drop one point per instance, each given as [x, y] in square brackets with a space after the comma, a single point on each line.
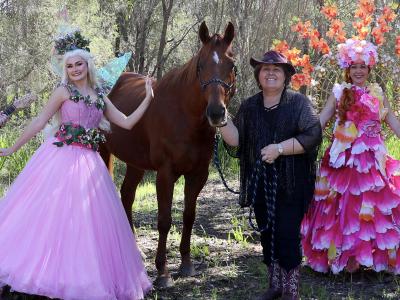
[362, 33]
[298, 27]
[357, 25]
[281, 46]
[366, 21]
[337, 25]
[323, 46]
[301, 79]
[305, 63]
[341, 37]
[388, 14]
[330, 12]
[381, 21]
[384, 27]
[360, 14]
[378, 35]
[367, 6]
[314, 33]
[379, 40]
[302, 28]
[293, 55]
[314, 43]
[397, 46]
[297, 81]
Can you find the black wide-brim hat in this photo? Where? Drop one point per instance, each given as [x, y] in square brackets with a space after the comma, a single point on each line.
[274, 58]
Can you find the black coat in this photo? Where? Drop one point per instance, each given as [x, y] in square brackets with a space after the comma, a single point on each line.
[295, 118]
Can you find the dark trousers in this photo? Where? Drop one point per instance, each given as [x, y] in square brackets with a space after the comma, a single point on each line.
[288, 216]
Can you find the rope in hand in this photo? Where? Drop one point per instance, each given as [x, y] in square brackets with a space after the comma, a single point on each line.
[217, 164]
[260, 172]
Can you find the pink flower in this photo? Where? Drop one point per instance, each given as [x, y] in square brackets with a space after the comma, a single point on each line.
[370, 101]
[359, 112]
[355, 50]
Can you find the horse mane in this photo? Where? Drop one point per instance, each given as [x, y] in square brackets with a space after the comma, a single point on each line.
[187, 72]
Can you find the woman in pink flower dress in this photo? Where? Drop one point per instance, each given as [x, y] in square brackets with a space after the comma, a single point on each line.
[63, 231]
[354, 219]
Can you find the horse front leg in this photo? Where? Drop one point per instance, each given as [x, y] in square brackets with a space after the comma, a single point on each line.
[133, 176]
[165, 189]
[193, 185]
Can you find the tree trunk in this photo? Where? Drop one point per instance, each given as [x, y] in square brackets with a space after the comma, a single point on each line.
[167, 7]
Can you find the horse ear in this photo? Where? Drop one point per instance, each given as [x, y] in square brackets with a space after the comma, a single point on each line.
[203, 33]
[229, 33]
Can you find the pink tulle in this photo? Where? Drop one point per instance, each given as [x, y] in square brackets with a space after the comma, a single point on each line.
[63, 230]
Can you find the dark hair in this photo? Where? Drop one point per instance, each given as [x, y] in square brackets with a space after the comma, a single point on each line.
[257, 69]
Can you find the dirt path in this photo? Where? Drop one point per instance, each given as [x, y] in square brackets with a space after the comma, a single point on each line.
[231, 268]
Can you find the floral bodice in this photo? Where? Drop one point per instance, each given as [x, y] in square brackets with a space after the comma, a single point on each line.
[368, 104]
[81, 110]
[80, 113]
[80, 118]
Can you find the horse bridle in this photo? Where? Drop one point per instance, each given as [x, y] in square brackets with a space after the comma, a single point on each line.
[229, 88]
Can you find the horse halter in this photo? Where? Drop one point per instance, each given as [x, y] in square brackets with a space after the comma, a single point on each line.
[229, 90]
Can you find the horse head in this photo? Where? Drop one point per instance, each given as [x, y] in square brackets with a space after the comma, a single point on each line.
[216, 72]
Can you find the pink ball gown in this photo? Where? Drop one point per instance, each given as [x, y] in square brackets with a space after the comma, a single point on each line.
[63, 230]
[354, 219]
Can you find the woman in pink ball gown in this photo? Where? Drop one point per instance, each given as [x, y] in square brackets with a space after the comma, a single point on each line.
[63, 230]
[354, 219]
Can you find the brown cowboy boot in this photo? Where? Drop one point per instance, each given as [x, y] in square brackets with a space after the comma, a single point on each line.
[290, 282]
[275, 283]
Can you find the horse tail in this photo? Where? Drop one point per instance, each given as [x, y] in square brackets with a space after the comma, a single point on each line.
[108, 159]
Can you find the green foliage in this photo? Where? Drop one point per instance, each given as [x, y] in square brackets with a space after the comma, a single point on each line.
[229, 164]
[393, 146]
[199, 250]
[11, 166]
[237, 233]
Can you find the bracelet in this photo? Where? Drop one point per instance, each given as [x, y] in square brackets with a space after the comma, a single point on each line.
[9, 110]
[280, 149]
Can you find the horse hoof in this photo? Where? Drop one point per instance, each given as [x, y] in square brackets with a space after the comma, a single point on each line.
[187, 270]
[164, 281]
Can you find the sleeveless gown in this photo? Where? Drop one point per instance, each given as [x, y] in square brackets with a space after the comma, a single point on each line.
[63, 230]
[354, 218]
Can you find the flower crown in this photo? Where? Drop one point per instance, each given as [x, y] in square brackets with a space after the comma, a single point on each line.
[356, 50]
[71, 41]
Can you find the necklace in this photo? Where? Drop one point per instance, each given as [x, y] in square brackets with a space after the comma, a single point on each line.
[76, 96]
[271, 107]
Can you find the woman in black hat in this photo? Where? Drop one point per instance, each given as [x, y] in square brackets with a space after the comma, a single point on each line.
[277, 133]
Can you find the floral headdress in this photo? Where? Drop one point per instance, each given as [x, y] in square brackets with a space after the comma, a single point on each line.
[71, 41]
[356, 50]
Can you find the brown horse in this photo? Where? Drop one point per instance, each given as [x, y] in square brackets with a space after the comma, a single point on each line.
[175, 136]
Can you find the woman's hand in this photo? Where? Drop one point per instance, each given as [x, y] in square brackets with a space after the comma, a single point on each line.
[24, 101]
[3, 118]
[6, 151]
[149, 88]
[270, 153]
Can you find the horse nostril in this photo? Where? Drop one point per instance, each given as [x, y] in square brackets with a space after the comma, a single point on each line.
[223, 111]
[216, 112]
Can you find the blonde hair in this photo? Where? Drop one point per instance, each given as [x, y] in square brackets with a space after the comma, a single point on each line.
[55, 123]
[88, 58]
